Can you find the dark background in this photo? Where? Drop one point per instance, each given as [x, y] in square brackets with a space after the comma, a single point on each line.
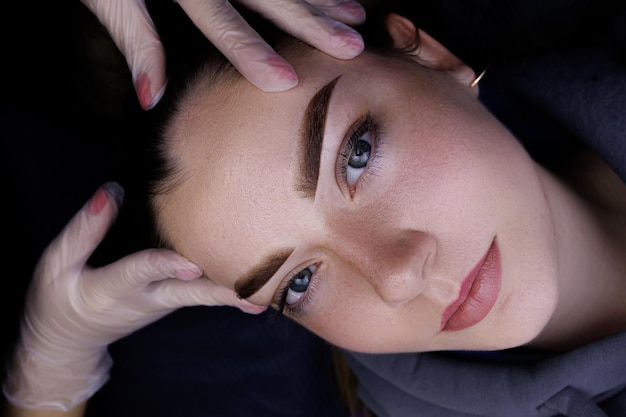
[69, 123]
[61, 137]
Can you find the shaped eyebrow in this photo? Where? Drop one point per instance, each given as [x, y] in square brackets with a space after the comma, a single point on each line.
[311, 138]
[310, 148]
[257, 277]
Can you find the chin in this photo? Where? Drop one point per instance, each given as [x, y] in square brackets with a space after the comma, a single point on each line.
[519, 334]
[521, 319]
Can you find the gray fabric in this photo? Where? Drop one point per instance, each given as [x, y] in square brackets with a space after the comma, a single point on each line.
[443, 385]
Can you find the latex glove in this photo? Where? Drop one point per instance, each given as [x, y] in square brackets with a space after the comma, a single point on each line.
[321, 23]
[73, 311]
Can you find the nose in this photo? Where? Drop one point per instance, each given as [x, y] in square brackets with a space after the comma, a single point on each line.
[393, 265]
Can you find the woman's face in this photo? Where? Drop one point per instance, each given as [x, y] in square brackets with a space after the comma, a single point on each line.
[377, 203]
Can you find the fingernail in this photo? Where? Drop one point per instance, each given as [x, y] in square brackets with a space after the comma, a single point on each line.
[142, 88]
[348, 38]
[284, 76]
[98, 201]
[110, 190]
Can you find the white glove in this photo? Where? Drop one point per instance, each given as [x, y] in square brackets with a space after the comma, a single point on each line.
[321, 23]
[73, 312]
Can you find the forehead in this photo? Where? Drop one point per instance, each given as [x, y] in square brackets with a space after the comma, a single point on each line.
[234, 145]
[238, 150]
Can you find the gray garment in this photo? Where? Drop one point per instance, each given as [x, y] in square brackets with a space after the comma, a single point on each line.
[586, 382]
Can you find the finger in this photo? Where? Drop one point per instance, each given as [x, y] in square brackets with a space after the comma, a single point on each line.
[134, 33]
[136, 271]
[240, 44]
[310, 24]
[176, 293]
[350, 12]
[82, 235]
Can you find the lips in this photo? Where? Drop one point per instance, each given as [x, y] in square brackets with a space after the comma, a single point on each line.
[479, 292]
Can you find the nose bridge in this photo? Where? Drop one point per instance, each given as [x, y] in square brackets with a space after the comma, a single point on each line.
[392, 262]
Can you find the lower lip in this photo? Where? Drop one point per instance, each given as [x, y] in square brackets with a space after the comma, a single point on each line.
[478, 294]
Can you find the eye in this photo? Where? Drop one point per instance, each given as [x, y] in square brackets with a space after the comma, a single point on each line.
[294, 295]
[358, 158]
[298, 285]
[360, 149]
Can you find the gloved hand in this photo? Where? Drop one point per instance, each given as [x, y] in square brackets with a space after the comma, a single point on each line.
[73, 311]
[321, 23]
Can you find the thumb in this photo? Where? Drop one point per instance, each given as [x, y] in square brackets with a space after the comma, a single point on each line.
[82, 235]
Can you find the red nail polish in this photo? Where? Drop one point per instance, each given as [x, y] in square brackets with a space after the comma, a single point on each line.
[142, 87]
[109, 191]
[98, 201]
[284, 70]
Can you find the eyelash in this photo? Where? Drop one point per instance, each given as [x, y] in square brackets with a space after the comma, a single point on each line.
[365, 124]
[300, 309]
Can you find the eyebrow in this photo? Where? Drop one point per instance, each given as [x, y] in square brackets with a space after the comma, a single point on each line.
[311, 138]
[258, 276]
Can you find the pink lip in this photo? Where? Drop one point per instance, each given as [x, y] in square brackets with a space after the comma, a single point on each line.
[478, 294]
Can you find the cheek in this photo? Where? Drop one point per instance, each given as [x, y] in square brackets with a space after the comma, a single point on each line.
[462, 162]
[347, 312]
[442, 183]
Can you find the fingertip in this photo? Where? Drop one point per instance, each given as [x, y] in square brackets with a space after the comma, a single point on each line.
[353, 12]
[147, 98]
[277, 87]
[110, 191]
[142, 89]
[250, 308]
[186, 270]
[157, 97]
[348, 43]
[115, 191]
[278, 76]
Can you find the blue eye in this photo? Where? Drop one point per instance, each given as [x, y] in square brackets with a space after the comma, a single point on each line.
[358, 159]
[294, 294]
[357, 153]
[360, 154]
[299, 284]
